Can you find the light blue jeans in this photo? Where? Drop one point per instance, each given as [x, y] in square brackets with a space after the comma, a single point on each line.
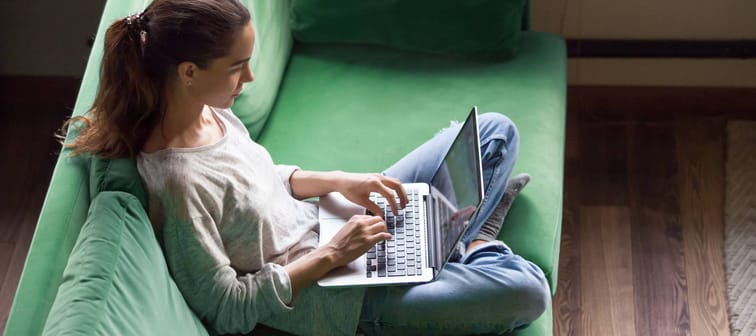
[489, 290]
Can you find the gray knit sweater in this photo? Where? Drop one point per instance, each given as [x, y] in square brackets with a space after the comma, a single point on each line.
[228, 222]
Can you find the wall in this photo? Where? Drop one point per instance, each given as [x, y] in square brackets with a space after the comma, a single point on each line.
[653, 19]
[46, 37]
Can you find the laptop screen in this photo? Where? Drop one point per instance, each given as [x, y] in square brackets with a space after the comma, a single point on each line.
[459, 180]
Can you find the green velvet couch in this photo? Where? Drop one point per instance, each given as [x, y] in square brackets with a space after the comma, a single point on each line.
[95, 267]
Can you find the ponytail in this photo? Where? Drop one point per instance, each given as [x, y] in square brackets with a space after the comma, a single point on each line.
[128, 104]
[141, 53]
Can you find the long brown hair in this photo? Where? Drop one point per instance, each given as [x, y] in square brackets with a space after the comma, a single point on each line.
[142, 53]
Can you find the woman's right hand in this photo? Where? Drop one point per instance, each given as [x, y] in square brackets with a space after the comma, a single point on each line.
[356, 237]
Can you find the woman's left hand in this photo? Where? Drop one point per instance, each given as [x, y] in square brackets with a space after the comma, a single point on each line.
[357, 187]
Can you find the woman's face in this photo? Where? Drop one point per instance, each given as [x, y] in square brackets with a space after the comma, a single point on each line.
[221, 82]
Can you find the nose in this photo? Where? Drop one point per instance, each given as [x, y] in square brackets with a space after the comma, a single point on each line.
[248, 76]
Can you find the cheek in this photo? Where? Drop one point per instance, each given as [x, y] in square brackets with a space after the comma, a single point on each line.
[235, 79]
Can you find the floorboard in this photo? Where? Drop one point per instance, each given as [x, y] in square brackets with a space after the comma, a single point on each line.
[700, 148]
[661, 307]
[607, 261]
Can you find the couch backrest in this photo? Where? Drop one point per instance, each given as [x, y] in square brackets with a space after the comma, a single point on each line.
[479, 29]
[273, 43]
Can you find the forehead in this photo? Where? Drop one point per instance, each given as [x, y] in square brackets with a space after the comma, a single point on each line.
[241, 47]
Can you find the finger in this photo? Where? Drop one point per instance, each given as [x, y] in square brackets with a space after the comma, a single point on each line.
[365, 218]
[379, 237]
[388, 194]
[377, 227]
[374, 209]
[395, 184]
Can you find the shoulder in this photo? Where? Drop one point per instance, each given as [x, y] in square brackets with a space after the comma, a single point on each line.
[169, 175]
[178, 187]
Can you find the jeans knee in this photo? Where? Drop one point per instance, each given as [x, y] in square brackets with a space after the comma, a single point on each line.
[535, 296]
[494, 124]
[527, 299]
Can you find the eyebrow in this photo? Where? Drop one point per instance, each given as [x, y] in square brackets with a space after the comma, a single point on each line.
[241, 61]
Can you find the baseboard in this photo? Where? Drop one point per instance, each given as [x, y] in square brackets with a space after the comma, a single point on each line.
[610, 48]
[662, 102]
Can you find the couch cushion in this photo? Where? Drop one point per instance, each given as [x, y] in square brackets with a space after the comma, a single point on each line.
[116, 281]
[471, 28]
[359, 108]
[115, 175]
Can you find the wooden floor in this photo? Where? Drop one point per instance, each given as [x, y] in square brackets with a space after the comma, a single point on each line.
[642, 233]
[643, 214]
[27, 156]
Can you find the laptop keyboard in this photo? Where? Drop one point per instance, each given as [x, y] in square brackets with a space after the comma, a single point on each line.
[401, 255]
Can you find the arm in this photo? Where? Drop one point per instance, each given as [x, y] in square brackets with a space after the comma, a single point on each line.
[355, 187]
[227, 301]
[306, 184]
[232, 302]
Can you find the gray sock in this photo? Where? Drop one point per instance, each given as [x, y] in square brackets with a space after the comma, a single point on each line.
[490, 229]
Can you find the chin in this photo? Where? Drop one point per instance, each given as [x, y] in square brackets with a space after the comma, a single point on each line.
[223, 106]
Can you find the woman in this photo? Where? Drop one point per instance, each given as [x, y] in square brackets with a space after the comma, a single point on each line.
[240, 243]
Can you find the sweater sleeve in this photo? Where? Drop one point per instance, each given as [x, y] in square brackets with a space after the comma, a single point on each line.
[284, 173]
[222, 298]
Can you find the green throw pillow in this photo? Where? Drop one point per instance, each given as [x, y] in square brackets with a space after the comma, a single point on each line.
[116, 281]
[487, 29]
[115, 175]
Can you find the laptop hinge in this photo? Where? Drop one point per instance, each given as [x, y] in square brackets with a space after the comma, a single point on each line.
[430, 232]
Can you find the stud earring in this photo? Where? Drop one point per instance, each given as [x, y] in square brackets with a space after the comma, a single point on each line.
[189, 83]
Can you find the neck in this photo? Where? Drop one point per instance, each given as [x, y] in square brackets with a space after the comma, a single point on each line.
[183, 116]
[186, 123]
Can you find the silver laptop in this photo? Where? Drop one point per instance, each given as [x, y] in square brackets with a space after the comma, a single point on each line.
[426, 232]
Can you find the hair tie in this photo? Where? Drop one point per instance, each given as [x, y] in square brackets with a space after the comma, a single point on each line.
[138, 23]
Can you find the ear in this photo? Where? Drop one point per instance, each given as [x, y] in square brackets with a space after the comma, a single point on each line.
[187, 72]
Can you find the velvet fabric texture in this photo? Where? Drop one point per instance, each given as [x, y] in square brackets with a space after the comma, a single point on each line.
[480, 29]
